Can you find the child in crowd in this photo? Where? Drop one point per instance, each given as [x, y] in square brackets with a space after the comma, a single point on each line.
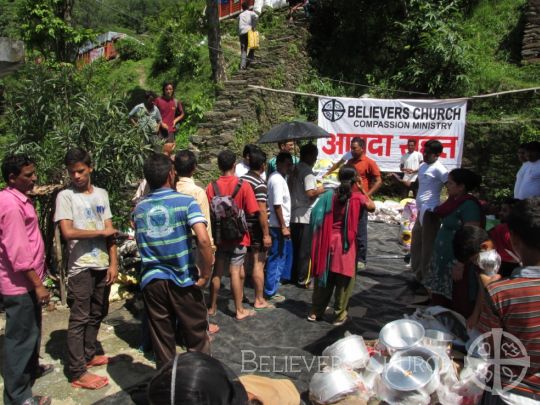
[85, 220]
[500, 235]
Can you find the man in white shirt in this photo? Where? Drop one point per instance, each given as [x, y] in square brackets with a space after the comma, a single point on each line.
[304, 192]
[528, 178]
[409, 164]
[522, 157]
[279, 262]
[242, 168]
[246, 22]
[432, 175]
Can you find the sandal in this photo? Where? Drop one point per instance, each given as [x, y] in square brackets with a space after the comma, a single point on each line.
[93, 382]
[98, 361]
[44, 369]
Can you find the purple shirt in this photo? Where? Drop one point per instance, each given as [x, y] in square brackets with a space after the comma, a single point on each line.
[21, 244]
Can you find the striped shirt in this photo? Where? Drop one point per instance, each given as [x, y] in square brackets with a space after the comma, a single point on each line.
[258, 185]
[513, 305]
[261, 195]
[163, 221]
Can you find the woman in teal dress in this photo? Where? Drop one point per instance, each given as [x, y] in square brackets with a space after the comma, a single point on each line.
[449, 282]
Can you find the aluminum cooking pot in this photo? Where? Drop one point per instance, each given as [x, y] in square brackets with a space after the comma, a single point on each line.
[434, 360]
[438, 340]
[331, 386]
[410, 373]
[401, 334]
[350, 352]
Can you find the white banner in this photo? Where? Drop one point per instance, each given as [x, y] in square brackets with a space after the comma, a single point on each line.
[387, 125]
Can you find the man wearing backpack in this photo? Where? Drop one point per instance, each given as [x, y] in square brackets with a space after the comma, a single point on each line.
[231, 199]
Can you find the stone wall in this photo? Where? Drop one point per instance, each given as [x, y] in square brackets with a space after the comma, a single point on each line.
[241, 114]
[530, 52]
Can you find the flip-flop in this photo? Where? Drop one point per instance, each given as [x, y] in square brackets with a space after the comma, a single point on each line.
[44, 369]
[98, 361]
[267, 307]
[251, 315]
[95, 383]
[277, 298]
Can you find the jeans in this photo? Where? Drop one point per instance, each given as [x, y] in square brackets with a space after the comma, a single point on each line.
[279, 262]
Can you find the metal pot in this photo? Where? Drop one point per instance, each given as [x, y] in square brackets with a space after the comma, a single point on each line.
[350, 352]
[331, 386]
[407, 374]
[438, 340]
[401, 334]
[432, 358]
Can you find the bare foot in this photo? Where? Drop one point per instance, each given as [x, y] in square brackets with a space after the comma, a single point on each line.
[263, 304]
[244, 314]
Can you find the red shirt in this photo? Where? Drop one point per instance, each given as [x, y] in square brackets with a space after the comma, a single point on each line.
[169, 110]
[244, 199]
[367, 169]
[500, 235]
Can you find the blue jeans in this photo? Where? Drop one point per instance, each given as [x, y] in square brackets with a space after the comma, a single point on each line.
[279, 262]
[361, 237]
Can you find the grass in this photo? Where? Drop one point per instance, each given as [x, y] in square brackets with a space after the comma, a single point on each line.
[493, 35]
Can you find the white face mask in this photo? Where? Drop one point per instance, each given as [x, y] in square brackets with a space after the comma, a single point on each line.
[489, 261]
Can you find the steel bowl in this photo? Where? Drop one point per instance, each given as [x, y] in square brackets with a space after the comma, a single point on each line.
[401, 334]
[349, 352]
[328, 387]
[439, 340]
[410, 373]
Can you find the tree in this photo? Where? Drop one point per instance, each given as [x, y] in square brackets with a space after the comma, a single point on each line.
[51, 109]
[214, 42]
[46, 27]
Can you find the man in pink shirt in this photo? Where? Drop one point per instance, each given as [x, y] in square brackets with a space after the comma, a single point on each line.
[22, 269]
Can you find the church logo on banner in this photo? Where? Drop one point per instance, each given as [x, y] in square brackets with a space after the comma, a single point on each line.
[387, 126]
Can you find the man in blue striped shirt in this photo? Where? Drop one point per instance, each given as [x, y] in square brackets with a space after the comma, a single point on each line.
[170, 281]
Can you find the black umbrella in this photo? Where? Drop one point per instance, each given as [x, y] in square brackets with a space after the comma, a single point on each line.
[293, 131]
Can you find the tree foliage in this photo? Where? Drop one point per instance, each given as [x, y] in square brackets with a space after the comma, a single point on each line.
[46, 27]
[49, 110]
[411, 44]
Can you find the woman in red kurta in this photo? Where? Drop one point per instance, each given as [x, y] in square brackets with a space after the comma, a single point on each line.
[334, 221]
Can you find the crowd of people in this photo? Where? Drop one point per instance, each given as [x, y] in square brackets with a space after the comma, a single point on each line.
[268, 218]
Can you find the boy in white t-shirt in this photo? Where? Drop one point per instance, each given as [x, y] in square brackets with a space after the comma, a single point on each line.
[85, 220]
[432, 175]
[279, 262]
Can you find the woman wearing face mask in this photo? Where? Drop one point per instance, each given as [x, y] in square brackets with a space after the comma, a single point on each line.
[461, 208]
[476, 251]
